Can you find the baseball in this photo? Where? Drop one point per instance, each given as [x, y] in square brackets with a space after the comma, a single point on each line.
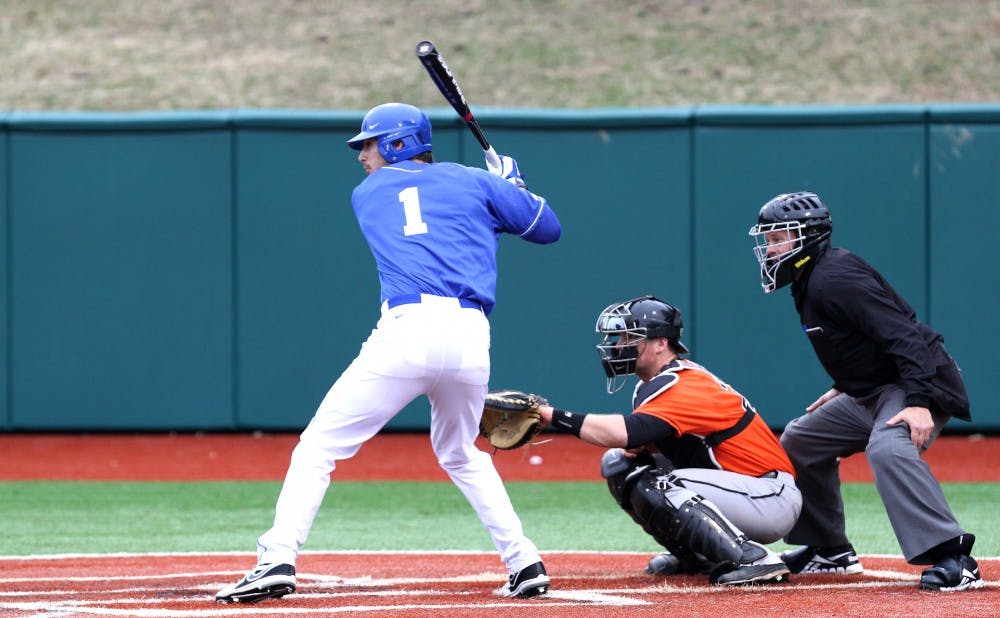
[535, 460]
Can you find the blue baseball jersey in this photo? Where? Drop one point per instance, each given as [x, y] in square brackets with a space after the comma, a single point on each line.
[434, 228]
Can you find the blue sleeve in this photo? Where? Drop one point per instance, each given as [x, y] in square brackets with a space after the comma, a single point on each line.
[519, 211]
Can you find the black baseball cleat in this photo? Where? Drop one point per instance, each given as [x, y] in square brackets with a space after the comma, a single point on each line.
[952, 574]
[265, 581]
[769, 569]
[842, 560]
[669, 564]
[664, 564]
[531, 581]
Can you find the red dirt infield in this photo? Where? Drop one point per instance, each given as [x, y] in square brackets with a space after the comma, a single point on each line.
[426, 584]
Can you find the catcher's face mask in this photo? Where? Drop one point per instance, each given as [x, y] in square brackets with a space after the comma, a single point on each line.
[619, 349]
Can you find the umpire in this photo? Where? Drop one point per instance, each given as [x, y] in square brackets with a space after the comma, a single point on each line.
[894, 388]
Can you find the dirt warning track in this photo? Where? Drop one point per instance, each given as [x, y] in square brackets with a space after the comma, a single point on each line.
[387, 457]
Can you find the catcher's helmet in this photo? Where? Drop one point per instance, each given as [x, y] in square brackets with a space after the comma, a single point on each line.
[626, 323]
[807, 220]
[392, 123]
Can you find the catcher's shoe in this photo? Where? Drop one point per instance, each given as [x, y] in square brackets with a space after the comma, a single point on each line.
[664, 564]
[265, 581]
[842, 560]
[669, 564]
[530, 581]
[768, 570]
[952, 574]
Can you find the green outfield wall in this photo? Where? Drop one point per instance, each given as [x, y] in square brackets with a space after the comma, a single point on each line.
[203, 270]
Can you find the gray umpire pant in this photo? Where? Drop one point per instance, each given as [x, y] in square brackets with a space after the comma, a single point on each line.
[916, 506]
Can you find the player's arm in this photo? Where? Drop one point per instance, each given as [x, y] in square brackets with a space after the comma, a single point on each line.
[519, 211]
[544, 227]
[610, 430]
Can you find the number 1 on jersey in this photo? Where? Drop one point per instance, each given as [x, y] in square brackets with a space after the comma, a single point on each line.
[411, 211]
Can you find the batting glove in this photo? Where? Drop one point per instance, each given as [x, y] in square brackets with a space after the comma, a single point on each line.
[506, 170]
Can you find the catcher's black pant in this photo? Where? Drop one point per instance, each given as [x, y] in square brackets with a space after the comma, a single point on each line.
[916, 506]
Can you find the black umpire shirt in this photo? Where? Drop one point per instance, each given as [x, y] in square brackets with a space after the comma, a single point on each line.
[866, 335]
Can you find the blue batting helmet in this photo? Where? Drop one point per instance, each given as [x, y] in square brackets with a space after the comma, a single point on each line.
[392, 123]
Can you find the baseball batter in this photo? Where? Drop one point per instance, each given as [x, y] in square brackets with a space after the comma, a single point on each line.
[700, 471]
[894, 388]
[433, 229]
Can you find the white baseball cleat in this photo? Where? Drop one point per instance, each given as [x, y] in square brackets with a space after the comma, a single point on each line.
[529, 582]
[265, 581]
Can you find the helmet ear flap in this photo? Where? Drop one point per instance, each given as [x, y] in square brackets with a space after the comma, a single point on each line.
[386, 148]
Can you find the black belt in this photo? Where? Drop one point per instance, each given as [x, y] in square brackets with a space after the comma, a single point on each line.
[414, 299]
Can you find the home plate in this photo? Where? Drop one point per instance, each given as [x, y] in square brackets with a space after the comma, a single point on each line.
[597, 598]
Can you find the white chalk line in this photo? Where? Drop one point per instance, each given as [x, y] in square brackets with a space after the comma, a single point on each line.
[325, 586]
[376, 610]
[313, 552]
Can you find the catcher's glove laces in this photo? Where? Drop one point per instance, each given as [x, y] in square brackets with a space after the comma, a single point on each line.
[526, 453]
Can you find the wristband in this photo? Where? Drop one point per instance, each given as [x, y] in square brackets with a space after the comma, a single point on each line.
[567, 422]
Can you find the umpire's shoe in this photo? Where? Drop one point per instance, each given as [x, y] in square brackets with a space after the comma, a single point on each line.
[840, 560]
[952, 574]
[954, 568]
[530, 581]
[265, 581]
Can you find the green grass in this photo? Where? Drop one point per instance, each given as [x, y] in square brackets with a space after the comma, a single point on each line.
[101, 517]
[195, 54]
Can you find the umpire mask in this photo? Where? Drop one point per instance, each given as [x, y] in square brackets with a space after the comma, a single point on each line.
[792, 230]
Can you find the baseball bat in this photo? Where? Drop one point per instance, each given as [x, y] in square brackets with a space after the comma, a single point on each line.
[443, 78]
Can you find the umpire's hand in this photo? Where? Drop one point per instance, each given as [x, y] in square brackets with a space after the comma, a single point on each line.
[920, 421]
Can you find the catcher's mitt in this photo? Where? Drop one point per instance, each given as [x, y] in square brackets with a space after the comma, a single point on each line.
[510, 418]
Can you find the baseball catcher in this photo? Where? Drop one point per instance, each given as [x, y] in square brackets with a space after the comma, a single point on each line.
[694, 464]
[511, 418]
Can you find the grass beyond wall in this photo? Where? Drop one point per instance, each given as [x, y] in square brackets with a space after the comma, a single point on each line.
[122, 55]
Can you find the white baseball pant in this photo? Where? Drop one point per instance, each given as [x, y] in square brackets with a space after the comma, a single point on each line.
[436, 348]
